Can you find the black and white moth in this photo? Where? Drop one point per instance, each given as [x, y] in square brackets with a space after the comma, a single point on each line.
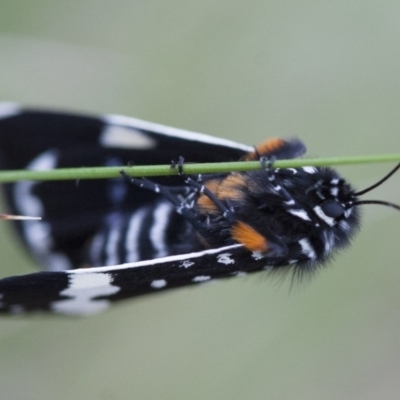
[107, 240]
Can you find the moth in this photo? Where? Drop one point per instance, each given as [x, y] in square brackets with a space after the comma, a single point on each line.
[102, 241]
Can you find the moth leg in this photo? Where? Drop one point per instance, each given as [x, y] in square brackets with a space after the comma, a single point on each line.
[267, 165]
[181, 205]
[149, 185]
[181, 161]
[225, 208]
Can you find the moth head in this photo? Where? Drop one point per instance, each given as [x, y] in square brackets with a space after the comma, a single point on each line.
[330, 198]
[326, 197]
[321, 206]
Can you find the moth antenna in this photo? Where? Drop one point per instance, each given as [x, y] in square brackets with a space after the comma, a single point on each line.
[383, 203]
[385, 178]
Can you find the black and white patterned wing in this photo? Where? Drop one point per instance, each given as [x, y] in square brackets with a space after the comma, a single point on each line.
[92, 290]
[73, 212]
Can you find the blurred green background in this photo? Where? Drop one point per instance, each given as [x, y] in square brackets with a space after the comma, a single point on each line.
[327, 72]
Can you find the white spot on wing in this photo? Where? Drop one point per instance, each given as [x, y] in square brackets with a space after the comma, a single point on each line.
[157, 232]
[132, 236]
[113, 240]
[257, 255]
[225, 258]
[9, 109]
[37, 233]
[126, 138]
[83, 290]
[158, 283]
[186, 264]
[201, 278]
[32, 205]
[173, 132]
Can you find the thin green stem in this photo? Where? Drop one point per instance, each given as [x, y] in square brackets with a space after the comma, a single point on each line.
[163, 170]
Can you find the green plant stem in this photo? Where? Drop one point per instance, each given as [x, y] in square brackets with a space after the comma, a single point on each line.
[163, 170]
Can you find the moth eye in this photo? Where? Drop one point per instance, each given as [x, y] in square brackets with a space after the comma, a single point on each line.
[332, 209]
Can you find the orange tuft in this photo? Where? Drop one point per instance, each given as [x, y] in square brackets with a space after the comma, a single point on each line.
[249, 237]
[264, 148]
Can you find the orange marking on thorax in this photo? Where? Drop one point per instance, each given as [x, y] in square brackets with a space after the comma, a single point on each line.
[204, 202]
[249, 237]
[264, 148]
[230, 187]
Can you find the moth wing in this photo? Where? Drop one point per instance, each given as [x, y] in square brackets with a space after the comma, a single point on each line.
[89, 291]
[72, 211]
